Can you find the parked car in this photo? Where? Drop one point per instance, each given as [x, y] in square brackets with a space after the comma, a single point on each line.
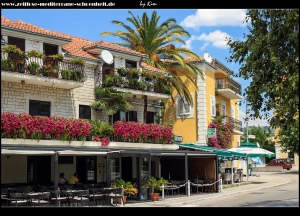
[286, 163]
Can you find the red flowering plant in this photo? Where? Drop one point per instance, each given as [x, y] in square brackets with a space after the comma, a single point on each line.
[224, 133]
[25, 126]
[142, 132]
[10, 125]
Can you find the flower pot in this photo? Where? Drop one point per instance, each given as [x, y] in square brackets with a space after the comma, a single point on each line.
[21, 69]
[154, 196]
[53, 74]
[89, 138]
[33, 71]
[120, 200]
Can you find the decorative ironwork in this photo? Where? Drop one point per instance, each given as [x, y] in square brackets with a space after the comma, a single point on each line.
[227, 83]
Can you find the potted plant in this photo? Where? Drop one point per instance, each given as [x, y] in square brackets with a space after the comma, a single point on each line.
[35, 54]
[7, 64]
[33, 67]
[142, 85]
[101, 128]
[78, 61]
[155, 186]
[58, 57]
[128, 188]
[67, 74]
[53, 71]
[134, 72]
[122, 71]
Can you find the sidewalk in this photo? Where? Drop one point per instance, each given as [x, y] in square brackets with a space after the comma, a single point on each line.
[265, 180]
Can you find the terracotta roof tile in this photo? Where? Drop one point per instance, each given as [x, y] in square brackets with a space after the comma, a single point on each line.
[190, 59]
[151, 68]
[115, 47]
[19, 24]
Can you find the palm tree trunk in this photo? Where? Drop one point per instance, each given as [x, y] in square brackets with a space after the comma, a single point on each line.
[145, 108]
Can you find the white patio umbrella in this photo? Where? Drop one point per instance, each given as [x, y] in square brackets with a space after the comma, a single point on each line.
[252, 150]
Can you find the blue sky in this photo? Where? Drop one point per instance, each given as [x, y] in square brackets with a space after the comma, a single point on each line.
[207, 27]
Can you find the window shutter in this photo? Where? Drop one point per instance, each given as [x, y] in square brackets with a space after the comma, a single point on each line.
[180, 107]
[213, 106]
[187, 107]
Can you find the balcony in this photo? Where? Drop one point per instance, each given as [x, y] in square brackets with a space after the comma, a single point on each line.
[43, 72]
[237, 125]
[229, 88]
[138, 83]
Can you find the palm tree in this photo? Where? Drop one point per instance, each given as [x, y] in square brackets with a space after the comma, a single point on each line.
[111, 100]
[155, 41]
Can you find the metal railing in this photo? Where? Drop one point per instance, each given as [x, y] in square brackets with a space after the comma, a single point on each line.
[47, 66]
[227, 83]
[237, 125]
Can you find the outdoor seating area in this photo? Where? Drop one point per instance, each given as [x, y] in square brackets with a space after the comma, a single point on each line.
[39, 196]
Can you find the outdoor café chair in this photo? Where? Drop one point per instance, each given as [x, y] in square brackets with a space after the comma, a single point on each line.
[59, 197]
[18, 199]
[79, 196]
[39, 199]
[97, 194]
[116, 193]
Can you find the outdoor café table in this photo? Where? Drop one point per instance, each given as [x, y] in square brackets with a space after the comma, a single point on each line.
[107, 191]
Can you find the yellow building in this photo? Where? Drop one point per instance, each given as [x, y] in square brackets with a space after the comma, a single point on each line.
[280, 154]
[216, 92]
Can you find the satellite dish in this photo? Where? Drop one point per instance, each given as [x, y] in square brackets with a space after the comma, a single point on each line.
[107, 57]
[207, 57]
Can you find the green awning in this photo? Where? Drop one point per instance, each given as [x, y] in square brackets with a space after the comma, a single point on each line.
[223, 154]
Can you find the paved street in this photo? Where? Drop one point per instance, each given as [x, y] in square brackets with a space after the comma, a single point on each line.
[264, 181]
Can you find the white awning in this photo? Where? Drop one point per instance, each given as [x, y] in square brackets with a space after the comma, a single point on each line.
[71, 152]
[25, 152]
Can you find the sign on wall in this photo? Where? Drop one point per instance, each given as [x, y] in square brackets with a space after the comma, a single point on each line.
[211, 132]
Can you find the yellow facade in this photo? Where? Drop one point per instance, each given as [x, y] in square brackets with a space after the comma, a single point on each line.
[280, 154]
[193, 128]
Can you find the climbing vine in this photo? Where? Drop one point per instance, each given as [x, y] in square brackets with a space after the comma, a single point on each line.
[224, 133]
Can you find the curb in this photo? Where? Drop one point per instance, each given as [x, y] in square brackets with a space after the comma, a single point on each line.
[205, 198]
[224, 195]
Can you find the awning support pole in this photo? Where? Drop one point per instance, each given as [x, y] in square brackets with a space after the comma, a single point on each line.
[55, 170]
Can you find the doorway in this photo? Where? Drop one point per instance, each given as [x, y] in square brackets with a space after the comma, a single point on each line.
[86, 169]
[39, 169]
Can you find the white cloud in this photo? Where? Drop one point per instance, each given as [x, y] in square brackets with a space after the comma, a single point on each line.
[256, 122]
[215, 17]
[217, 38]
[188, 43]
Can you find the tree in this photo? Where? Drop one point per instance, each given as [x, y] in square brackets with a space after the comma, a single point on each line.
[111, 100]
[155, 40]
[269, 55]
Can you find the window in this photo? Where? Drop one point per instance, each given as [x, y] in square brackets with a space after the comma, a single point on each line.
[150, 117]
[65, 159]
[130, 64]
[223, 110]
[232, 112]
[127, 116]
[84, 112]
[213, 105]
[184, 107]
[19, 42]
[50, 49]
[39, 108]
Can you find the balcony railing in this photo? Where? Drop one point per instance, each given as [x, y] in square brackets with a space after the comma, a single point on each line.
[47, 67]
[137, 81]
[227, 83]
[237, 125]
